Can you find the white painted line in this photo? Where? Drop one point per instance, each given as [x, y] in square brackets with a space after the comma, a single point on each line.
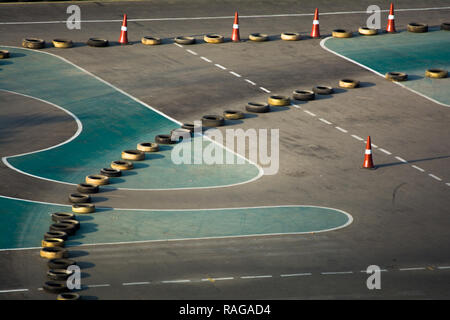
[324, 121]
[13, 290]
[342, 130]
[220, 66]
[218, 279]
[264, 89]
[192, 52]
[418, 168]
[385, 151]
[135, 283]
[338, 272]
[310, 113]
[176, 281]
[401, 159]
[235, 74]
[374, 145]
[256, 277]
[296, 274]
[251, 82]
[98, 285]
[435, 177]
[178, 45]
[205, 59]
[296, 106]
[411, 269]
[443, 267]
[381, 270]
[357, 137]
[448, 183]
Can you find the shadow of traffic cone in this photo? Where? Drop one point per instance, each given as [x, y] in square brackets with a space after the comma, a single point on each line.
[391, 21]
[368, 162]
[235, 37]
[123, 31]
[315, 32]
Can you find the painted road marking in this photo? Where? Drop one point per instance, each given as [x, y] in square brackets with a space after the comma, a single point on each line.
[257, 277]
[251, 82]
[179, 45]
[374, 145]
[296, 106]
[381, 270]
[176, 281]
[357, 137]
[310, 113]
[235, 74]
[443, 267]
[337, 272]
[448, 183]
[13, 290]
[418, 168]
[435, 177]
[342, 130]
[385, 151]
[135, 283]
[205, 59]
[324, 121]
[98, 285]
[220, 66]
[192, 52]
[296, 274]
[218, 279]
[264, 89]
[401, 159]
[412, 269]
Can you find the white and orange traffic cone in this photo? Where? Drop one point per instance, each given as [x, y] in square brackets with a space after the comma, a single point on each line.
[391, 21]
[235, 37]
[123, 31]
[315, 32]
[368, 162]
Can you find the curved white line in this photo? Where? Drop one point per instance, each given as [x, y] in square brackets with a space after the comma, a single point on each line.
[322, 44]
[5, 161]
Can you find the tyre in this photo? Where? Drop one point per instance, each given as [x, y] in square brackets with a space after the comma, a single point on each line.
[33, 43]
[79, 198]
[324, 90]
[164, 139]
[233, 114]
[436, 73]
[276, 100]
[213, 38]
[62, 43]
[257, 107]
[97, 42]
[97, 179]
[122, 165]
[185, 40]
[348, 83]
[56, 234]
[68, 296]
[367, 31]
[417, 27]
[179, 134]
[71, 222]
[53, 286]
[60, 263]
[303, 95]
[290, 36]
[341, 33]
[60, 216]
[110, 172]
[150, 41]
[148, 147]
[59, 274]
[83, 208]
[53, 253]
[67, 228]
[396, 76]
[135, 155]
[258, 37]
[191, 127]
[87, 188]
[211, 120]
[445, 26]
[52, 242]
[4, 54]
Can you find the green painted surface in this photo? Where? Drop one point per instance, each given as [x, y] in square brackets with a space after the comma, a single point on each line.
[23, 224]
[112, 122]
[407, 52]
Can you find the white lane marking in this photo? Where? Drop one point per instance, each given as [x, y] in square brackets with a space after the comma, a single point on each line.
[381, 270]
[310, 113]
[218, 279]
[411, 269]
[296, 106]
[435, 177]
[337, 272]
[178, 45]
[296, 274]
[192, 52]
[324, 121]
[401, 159]
[385, 151]
[448, 183]
[374, 145]
[257, 277]
[357, 137]
[418, 168]
[264, 89]
[205, 59]
[443, 267]
[342, 130]
[251, 82]
[235, 74]
[135, 283]
[220, 66]
[98, 285]
[176, 281]
[13, 290]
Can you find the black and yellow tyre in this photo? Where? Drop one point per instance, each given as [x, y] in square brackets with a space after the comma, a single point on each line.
[212, 120]
[396, 76]
[97, 179]
[148, 146]
[255, 107]
[164, 139]
[71, 222]
[341, 33]
[151, 41]
[185, 40]
[290, 36]
[133, 155]
[60, 263]
[53, 253]
[367, 31]
[97, 42]
[87, 188]
[56, 234]
[233, 114]
[68, 296]
[59, 216]
[258, 37]
[122, 165]
[4, 54]
[213, 38]
[33, 43]
[348, 83]
[62, 43]
[436, 73]
[191, 127]
[303, 95]
[445, 26]
[83, 208]
[53, 286]
[276, 100]
[79, 198]
[110, 172]
[59, 274]
[323, 90]
[417, 27]
[67, 228]
[52, 242]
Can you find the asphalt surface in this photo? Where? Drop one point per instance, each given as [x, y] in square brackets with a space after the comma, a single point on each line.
[400, 214]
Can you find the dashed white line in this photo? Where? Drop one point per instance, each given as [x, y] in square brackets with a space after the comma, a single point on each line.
[296, 106]
[374, 145]
[381, 270]
[324, 121]
[205, 59]
[448, 183]
[176, 281]
[264, 89]
[257, 277]
[443, 267]
[251, 82]
[296, 274]
[385, 151]
[412, 269]
[418, 168]
[13, 290]
[135, 283]
[435, 177]
[178, 45]
[357, 137]
[342, 130]
[235, 74]
[401, 159]
[310, 113]
[337, 272]
[98, 285]
[220, 66]
[218, 279]
[192, 52]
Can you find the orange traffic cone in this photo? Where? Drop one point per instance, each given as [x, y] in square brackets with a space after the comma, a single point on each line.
[123, 31]
[368, 162]
[391, 22]
[315, 32]
[235, 37]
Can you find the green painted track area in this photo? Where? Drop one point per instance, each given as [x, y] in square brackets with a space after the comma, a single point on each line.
[407, 52]
[23, 223]
[111, 122]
